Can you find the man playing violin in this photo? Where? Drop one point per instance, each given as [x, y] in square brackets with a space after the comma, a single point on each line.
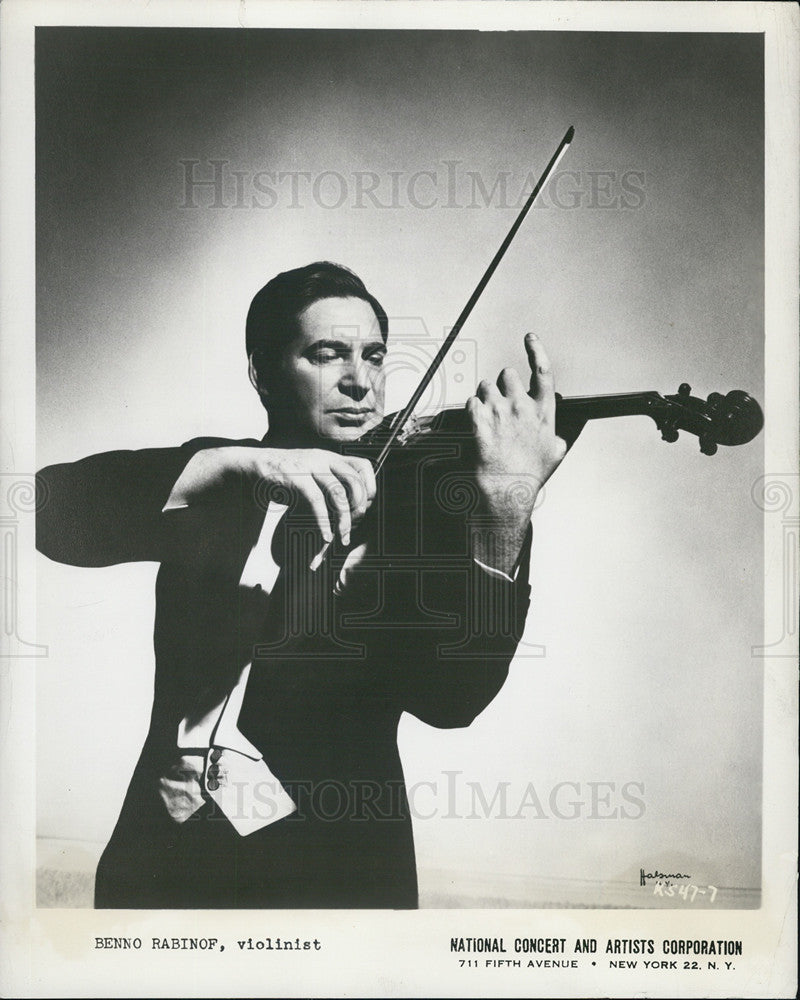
[300, 610]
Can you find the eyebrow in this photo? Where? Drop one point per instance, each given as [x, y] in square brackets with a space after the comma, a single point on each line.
[338, 345]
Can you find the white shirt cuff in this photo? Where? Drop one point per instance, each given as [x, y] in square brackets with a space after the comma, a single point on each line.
[498, 573]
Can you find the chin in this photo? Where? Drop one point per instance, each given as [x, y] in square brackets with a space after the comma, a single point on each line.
[349, 433]
[336, 431]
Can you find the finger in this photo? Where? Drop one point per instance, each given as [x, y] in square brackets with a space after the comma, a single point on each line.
[509, 383]
[316, 562]
[486, 391]
[542, 383]
[316, 500]
[475, 411]
[369, 478]
[336, 497]
[351, 480]
[366, 472]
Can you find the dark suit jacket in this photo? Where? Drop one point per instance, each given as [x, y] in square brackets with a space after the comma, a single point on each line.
[418, 627]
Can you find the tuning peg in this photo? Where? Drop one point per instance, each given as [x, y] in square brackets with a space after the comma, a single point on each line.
[669, 434]
[708, 446]
[684, 389]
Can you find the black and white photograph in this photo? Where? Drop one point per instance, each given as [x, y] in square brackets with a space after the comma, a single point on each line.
[407, 459]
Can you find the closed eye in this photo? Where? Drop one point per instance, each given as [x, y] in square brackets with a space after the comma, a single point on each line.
[376, 356]
[324, 352]
[323, 356]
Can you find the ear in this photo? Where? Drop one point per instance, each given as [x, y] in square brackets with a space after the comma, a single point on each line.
[253, 374]
[254, 380]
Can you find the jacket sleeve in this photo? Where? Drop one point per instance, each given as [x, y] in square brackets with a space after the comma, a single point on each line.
[107, 508]
[448, 675]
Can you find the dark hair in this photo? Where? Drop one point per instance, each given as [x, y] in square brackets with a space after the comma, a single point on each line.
[273, 313]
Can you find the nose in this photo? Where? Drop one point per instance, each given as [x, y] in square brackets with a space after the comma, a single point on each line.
[355, 381]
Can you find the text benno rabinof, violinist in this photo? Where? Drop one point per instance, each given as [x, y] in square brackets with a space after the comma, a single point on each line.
[270, 776]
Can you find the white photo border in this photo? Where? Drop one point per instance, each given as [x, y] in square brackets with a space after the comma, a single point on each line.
[51, 952]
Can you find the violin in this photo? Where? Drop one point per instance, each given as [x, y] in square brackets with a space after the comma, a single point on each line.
[732, 419]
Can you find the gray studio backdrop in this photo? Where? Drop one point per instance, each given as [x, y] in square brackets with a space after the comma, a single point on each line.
[177, 170]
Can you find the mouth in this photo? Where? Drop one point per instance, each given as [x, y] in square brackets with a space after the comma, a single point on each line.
[353, 416]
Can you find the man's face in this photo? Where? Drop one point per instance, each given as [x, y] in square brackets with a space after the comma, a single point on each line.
[330, 384]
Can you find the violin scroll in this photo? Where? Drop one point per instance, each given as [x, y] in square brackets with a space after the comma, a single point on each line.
[733, 419]
[737, 417]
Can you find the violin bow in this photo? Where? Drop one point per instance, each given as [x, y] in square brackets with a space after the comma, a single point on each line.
[405, 413]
